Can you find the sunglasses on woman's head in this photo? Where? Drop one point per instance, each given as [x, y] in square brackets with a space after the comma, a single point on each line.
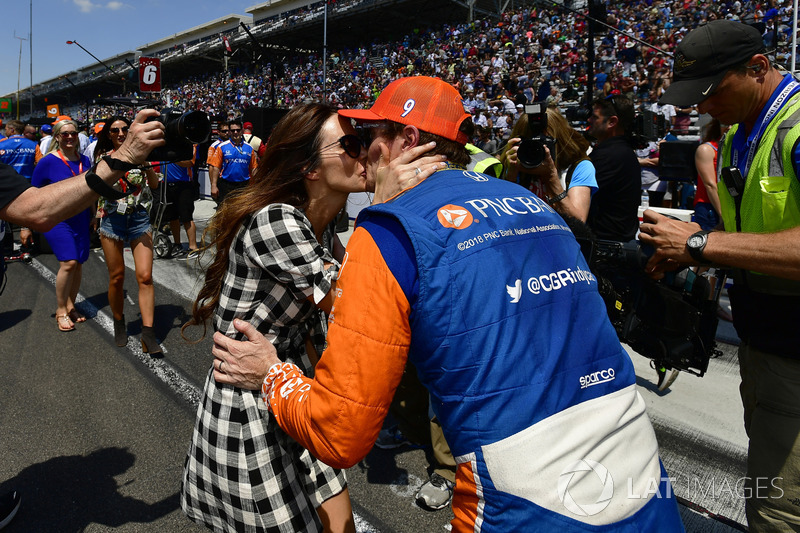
[123, 129]
[350, 143]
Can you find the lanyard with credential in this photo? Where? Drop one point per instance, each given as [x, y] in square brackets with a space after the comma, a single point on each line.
[80, 164]
[755, 136]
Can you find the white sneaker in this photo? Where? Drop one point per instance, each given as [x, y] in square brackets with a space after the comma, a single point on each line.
[436, 493]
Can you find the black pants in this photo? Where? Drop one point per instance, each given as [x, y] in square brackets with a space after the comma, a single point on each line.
[226, 187]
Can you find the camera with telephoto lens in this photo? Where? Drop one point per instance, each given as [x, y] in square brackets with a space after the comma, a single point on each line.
[182, 131]
[531, 152]
[672, 321]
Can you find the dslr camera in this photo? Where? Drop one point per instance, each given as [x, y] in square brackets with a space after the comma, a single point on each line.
[531, 152]
[182, 131]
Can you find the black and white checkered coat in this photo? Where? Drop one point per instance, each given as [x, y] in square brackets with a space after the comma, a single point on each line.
[243, 473]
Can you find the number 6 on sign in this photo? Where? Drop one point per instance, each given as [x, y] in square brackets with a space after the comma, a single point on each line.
[149, 74]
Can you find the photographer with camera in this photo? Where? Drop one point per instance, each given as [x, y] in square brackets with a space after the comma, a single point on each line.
[614, 213]
[539, 136]
[760, 206]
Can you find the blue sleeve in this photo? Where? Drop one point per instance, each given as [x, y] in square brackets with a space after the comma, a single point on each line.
[584, 176]
[397, 252]
[41, 172]
[796, 160]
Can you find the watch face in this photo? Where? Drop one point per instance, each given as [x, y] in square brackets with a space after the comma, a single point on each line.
[695, 241]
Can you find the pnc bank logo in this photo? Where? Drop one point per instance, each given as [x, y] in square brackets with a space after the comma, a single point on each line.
[454, 216]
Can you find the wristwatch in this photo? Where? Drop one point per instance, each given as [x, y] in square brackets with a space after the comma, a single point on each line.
[695, 245]
[552, 200]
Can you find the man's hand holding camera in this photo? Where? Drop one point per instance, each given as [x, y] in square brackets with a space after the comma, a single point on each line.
[143, 137]
[668, 236]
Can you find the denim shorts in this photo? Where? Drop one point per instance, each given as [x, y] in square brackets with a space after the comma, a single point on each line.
[128, 227]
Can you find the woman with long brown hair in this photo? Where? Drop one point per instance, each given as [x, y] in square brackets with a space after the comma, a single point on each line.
[276, 263]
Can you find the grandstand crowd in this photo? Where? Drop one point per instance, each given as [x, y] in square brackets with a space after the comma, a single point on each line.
[531, 53]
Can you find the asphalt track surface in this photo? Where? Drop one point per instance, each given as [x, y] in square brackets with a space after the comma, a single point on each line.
[94, 436]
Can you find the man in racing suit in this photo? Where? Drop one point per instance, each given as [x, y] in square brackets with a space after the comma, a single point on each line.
[480, 284]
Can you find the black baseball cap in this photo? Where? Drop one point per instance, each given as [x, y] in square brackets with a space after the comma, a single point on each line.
[705, 55]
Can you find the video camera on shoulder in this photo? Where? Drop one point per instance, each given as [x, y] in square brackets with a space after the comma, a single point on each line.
[531, 152]
[672, 321]
[182, 131]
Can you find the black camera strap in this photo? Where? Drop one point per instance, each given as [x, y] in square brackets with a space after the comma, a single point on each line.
[734, 182]
[571, 171]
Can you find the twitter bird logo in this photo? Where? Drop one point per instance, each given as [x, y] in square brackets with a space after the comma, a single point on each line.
[515, 292]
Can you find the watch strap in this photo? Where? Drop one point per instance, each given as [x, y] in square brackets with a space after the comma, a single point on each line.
[102, 188]
[557, 198]
[697, 253]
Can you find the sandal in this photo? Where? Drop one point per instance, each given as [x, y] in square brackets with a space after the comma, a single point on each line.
[76, 316]
[64, 320]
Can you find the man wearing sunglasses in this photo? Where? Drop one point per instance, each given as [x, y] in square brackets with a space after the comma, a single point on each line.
[470, 278]
[223, 134]
[722, 67]
[231, 164]
[614, 213]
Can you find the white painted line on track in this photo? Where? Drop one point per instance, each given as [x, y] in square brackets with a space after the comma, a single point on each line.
[164, 371]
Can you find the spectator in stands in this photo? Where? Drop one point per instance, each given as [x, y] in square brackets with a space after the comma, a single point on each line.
[554, 98]
[485, 142]
[567, 183]
[614, 211]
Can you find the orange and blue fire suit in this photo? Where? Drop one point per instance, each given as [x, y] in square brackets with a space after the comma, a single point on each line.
[483, 287]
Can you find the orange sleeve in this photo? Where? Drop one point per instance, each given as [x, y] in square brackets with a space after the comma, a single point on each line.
[37, 155]
[215, 158]
[337, 415]
[253, 162]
